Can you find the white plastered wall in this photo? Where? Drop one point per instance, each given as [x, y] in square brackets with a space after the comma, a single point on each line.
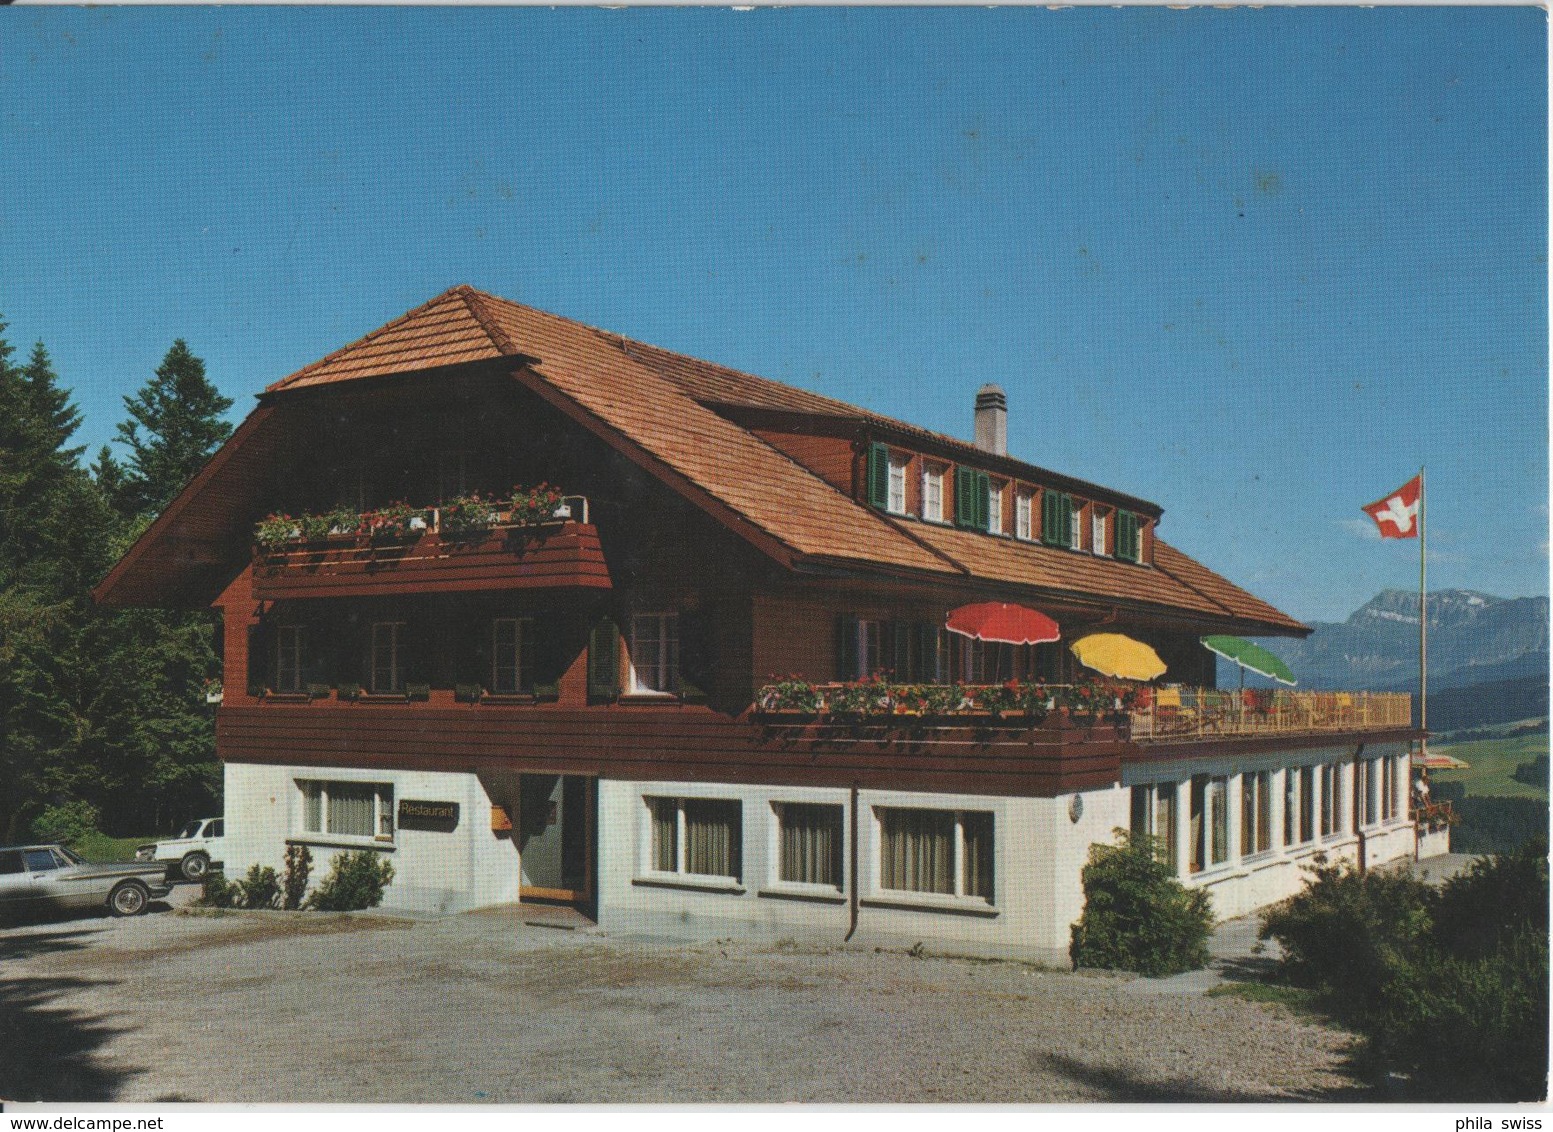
[434, 871]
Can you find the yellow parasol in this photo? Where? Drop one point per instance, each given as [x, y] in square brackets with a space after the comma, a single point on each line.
[1115, 655]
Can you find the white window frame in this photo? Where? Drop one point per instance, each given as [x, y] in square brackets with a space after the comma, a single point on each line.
[395, 665]
[1332, 786]
[382, 811]
[1098, 521]
[995, 491]
[294, 646]
[681, 874]
[957, 866]
[1076, 527]
[933, 492]
[665, 664]
[522, 669]
[776, 881]
[1256, 800]
[1024, 521]
[895, 492]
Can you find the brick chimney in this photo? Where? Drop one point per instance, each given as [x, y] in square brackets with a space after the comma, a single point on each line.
[992, 420]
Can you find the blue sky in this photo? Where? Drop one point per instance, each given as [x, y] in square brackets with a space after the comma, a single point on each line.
[1257, 266]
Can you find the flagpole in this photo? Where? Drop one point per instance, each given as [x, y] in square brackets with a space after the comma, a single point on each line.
[1423, 619]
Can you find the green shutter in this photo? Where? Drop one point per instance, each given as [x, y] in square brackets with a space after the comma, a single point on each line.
[983, 498]
[1127, 540]
[846, 647]
[604, 661]
[879, 476]
[1066, 509]
[1051, 521]
[964, 497]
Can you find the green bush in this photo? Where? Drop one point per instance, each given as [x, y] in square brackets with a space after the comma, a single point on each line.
[1496, 824]
[1448, 988]
[1137, 916]
[67, 823]
[259, 889]
[216, 892]
[355, 881]
[1344, 929]
[299, 866]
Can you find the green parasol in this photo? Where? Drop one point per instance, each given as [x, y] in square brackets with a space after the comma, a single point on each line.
[1249, 656]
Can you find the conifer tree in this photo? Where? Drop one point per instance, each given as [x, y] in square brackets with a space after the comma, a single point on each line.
[175, 424]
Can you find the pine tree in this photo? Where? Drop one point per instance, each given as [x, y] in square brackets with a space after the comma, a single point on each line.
[179, 411]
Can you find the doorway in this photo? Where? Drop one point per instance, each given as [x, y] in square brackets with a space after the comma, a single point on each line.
[555, 837]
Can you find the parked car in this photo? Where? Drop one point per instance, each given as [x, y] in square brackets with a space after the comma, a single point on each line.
[189, 855]
[39, 877]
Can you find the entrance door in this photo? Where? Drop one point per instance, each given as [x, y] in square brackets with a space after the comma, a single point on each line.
[555, 837]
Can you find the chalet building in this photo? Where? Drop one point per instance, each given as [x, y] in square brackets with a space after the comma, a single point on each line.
[646, 690]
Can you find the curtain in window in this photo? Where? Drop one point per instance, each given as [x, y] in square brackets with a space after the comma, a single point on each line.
[712, 838]
[665, 834]
[1165, 820]
[1218, 817]
[918, 850]
[312, 807]
[811, 844]
[351, 809]
[976, 830]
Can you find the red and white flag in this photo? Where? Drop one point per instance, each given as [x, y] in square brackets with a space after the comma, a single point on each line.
[1397, 514]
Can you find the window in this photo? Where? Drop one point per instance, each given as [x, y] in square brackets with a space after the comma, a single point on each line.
[860, 648]
[511, 670]
[1056, 518]
[1076, 525]
[696, 836]
[995, 492]
[1299, 797]
[288, 658]
[39, 860]
[1023, 504]
[809, 843]
[11, 862]
[1388, 789]
[1331, 799]
[1154, 813]
[655, 652]
[387, 657]
[933, 493]
[348, 809]
[1129, 537]
[1097, 534]
[1256, 812]
[941, 851]
[1210, 822]
[895, 501]
[1367, 790]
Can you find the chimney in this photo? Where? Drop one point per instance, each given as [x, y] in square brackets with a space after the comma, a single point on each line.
[992, 420]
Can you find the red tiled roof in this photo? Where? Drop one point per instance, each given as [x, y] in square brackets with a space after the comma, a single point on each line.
[659, 407]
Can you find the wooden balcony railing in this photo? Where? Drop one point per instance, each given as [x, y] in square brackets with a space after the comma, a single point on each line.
[1185, 713]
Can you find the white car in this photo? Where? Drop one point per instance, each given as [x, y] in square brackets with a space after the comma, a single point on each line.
[190, 854]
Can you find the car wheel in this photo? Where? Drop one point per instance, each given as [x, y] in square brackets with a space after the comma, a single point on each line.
[195, 866]
[129, 899]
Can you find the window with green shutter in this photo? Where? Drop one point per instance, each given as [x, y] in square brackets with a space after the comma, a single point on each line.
[1128, 543]
[982, 497]
[604, 661]
[1056, 518]
[878, 475]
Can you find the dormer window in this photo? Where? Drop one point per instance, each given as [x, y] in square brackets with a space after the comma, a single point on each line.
[1057, 519]
[1129, 537]
[933, 493]
[995, 492]
[1097, 530]
[895, 500]
[1024, 518]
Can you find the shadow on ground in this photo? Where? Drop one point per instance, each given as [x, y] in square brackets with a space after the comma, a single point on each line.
[1119, 1084]
[48, 1052]
[43, 943]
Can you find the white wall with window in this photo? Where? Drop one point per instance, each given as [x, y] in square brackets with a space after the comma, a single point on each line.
[347, 809]
[965, 874]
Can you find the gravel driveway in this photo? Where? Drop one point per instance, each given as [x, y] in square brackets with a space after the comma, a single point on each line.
[271, 1007]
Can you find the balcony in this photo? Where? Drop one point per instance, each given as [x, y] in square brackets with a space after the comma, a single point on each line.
[426, 550]
[1149, 714]
[1166, 714]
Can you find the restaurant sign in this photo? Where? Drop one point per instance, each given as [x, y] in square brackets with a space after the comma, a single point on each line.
[438, 817]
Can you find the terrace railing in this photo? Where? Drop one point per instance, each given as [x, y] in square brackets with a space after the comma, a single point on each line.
[1185, 713]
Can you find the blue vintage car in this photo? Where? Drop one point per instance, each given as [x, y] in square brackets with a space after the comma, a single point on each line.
[36, 878]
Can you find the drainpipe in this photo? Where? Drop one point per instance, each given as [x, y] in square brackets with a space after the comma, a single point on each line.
[852, 930]
[1357, 811]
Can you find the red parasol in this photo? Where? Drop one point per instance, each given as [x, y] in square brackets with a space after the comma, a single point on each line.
[1006, 624]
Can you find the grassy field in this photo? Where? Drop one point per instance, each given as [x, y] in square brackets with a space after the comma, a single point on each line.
[1491, 762]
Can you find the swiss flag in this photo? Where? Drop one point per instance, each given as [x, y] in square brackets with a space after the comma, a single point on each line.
[1397, 514]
